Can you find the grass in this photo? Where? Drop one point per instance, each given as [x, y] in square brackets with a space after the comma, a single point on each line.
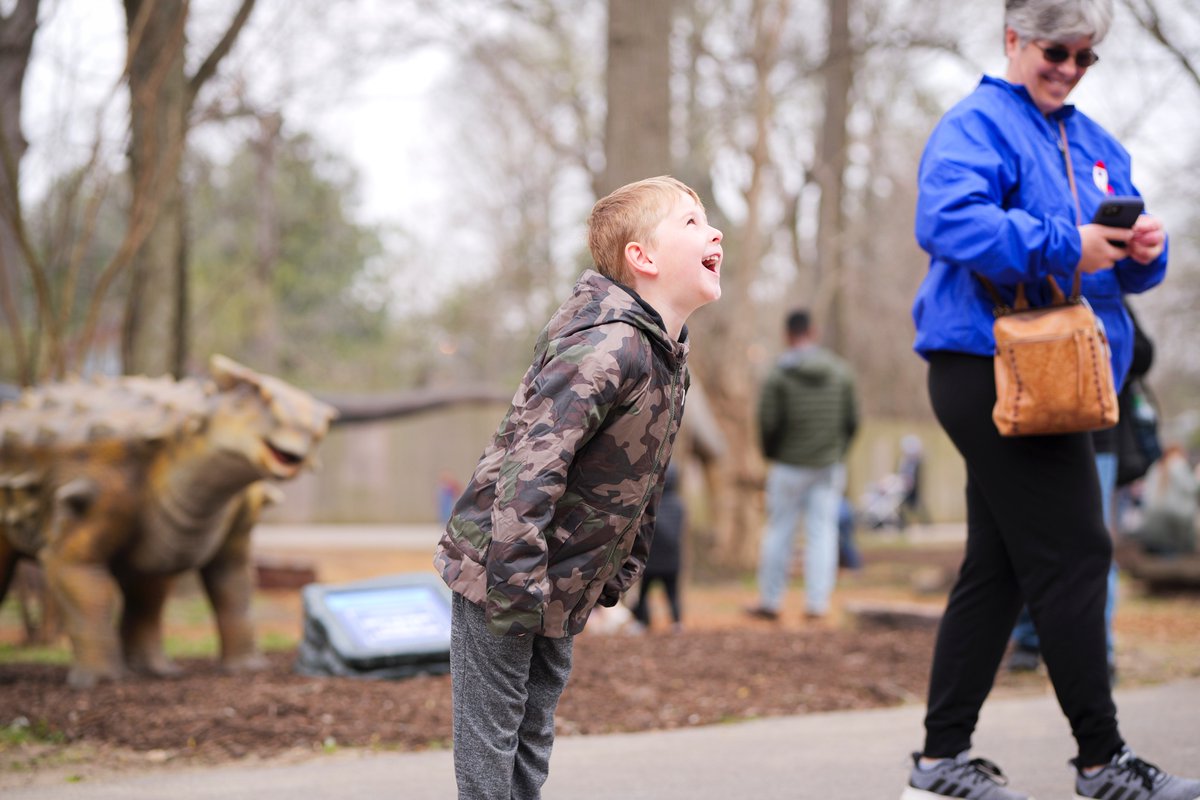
[23, 732]
[188, 625]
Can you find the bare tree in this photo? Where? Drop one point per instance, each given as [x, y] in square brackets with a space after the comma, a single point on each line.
[830, 172]
[728, 336]
[1150, 16]
[265, 331]
[162, 96]
[17, 29]
[1171, 313]
[637, 134]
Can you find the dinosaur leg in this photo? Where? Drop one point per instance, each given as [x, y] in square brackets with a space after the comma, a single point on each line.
[8, 565]
[141, 624]
[82, 533]
[88, 598]
[229, 582]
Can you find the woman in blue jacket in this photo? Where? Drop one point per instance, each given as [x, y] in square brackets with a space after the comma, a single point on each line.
[1007, 183]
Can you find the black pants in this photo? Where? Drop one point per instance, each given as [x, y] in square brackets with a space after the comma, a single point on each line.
[670, 582]
[1035, 534]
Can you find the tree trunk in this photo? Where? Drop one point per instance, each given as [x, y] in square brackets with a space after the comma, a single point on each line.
[154, 335]
[830, 172]
[158, 111]
[637, 142]
[17, 29]
[727, 368]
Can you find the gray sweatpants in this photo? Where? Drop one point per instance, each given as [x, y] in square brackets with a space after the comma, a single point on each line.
[505, 691]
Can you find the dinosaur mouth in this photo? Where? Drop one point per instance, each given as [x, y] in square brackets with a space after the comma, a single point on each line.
[284, 457]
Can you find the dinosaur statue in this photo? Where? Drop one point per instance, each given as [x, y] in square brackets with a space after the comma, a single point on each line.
[119, 484]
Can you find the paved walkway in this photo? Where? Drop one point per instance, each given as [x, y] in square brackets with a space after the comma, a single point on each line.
[425, 536]
[840, 756]
[286, 536]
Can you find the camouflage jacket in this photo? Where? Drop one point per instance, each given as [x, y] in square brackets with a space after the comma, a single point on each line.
[560, 511]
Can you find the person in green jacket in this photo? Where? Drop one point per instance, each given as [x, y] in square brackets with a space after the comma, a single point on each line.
[808, 413]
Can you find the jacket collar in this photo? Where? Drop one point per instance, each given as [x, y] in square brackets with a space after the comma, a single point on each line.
[612, 302]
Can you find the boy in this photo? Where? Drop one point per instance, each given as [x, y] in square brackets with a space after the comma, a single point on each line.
[560, 511]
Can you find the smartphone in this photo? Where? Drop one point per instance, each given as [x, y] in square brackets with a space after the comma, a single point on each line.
[1119, 212]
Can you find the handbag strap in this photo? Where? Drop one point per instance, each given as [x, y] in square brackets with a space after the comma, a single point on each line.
[1020, 301]
[1076, 282]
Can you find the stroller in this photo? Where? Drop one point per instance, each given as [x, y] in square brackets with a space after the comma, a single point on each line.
[881, 504]
[893, 498]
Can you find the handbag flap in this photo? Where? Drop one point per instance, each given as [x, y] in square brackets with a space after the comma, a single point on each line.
[1038, 323]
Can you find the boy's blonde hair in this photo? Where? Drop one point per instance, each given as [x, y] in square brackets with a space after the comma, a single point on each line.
[630, 214]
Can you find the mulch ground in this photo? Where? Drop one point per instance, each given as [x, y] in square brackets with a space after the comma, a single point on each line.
[619, 683]
[721, 668]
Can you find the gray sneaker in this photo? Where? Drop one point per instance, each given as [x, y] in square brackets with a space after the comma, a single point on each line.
[974, 779]
[1130, 778]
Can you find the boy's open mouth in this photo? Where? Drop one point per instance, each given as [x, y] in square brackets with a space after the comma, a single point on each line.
[712, 262]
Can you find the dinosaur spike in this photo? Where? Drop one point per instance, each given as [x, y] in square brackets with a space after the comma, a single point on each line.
[228, 373]
[100, 430]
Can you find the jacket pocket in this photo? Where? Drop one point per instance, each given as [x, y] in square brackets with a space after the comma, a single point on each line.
[582, 557]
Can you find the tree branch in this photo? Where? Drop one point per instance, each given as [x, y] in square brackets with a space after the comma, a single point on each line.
[209, 66]
[1149, 18]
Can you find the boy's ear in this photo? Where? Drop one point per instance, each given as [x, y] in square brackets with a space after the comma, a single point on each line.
[639, 259]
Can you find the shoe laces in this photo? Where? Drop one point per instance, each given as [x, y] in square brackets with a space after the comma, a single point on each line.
[1147, 772]
[980, 769]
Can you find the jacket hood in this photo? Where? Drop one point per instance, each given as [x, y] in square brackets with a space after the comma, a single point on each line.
[597, 300]
[809, 363]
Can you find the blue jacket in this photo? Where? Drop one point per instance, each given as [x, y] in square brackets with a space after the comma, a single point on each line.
[993, 199]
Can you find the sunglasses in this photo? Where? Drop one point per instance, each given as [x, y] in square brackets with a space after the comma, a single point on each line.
[1057, 54]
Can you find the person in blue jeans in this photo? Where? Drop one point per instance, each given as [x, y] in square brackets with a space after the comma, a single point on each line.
[807, 413]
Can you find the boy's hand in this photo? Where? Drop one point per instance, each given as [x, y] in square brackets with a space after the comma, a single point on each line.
[609, 597]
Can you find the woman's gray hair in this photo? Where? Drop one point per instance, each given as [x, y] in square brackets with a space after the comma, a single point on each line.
[1059, 20]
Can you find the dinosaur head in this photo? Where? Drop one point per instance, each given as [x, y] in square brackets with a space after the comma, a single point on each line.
[274, 425]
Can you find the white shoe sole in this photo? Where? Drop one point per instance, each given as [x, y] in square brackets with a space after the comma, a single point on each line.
[919, 794]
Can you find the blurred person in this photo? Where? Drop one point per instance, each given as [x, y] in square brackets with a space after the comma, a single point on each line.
[1169, 504]
[912, 462]
[662, 566]
[559, 514]
[807, 414]
[997, 198]
[448, 490]
[849, 556]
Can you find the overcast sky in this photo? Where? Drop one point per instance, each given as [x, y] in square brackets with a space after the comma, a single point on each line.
[382, 113]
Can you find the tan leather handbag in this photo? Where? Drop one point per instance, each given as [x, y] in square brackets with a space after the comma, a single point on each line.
[1053, 367]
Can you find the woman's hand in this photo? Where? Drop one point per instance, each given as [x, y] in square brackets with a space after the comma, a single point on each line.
[1098, 251]
[1148, 240]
